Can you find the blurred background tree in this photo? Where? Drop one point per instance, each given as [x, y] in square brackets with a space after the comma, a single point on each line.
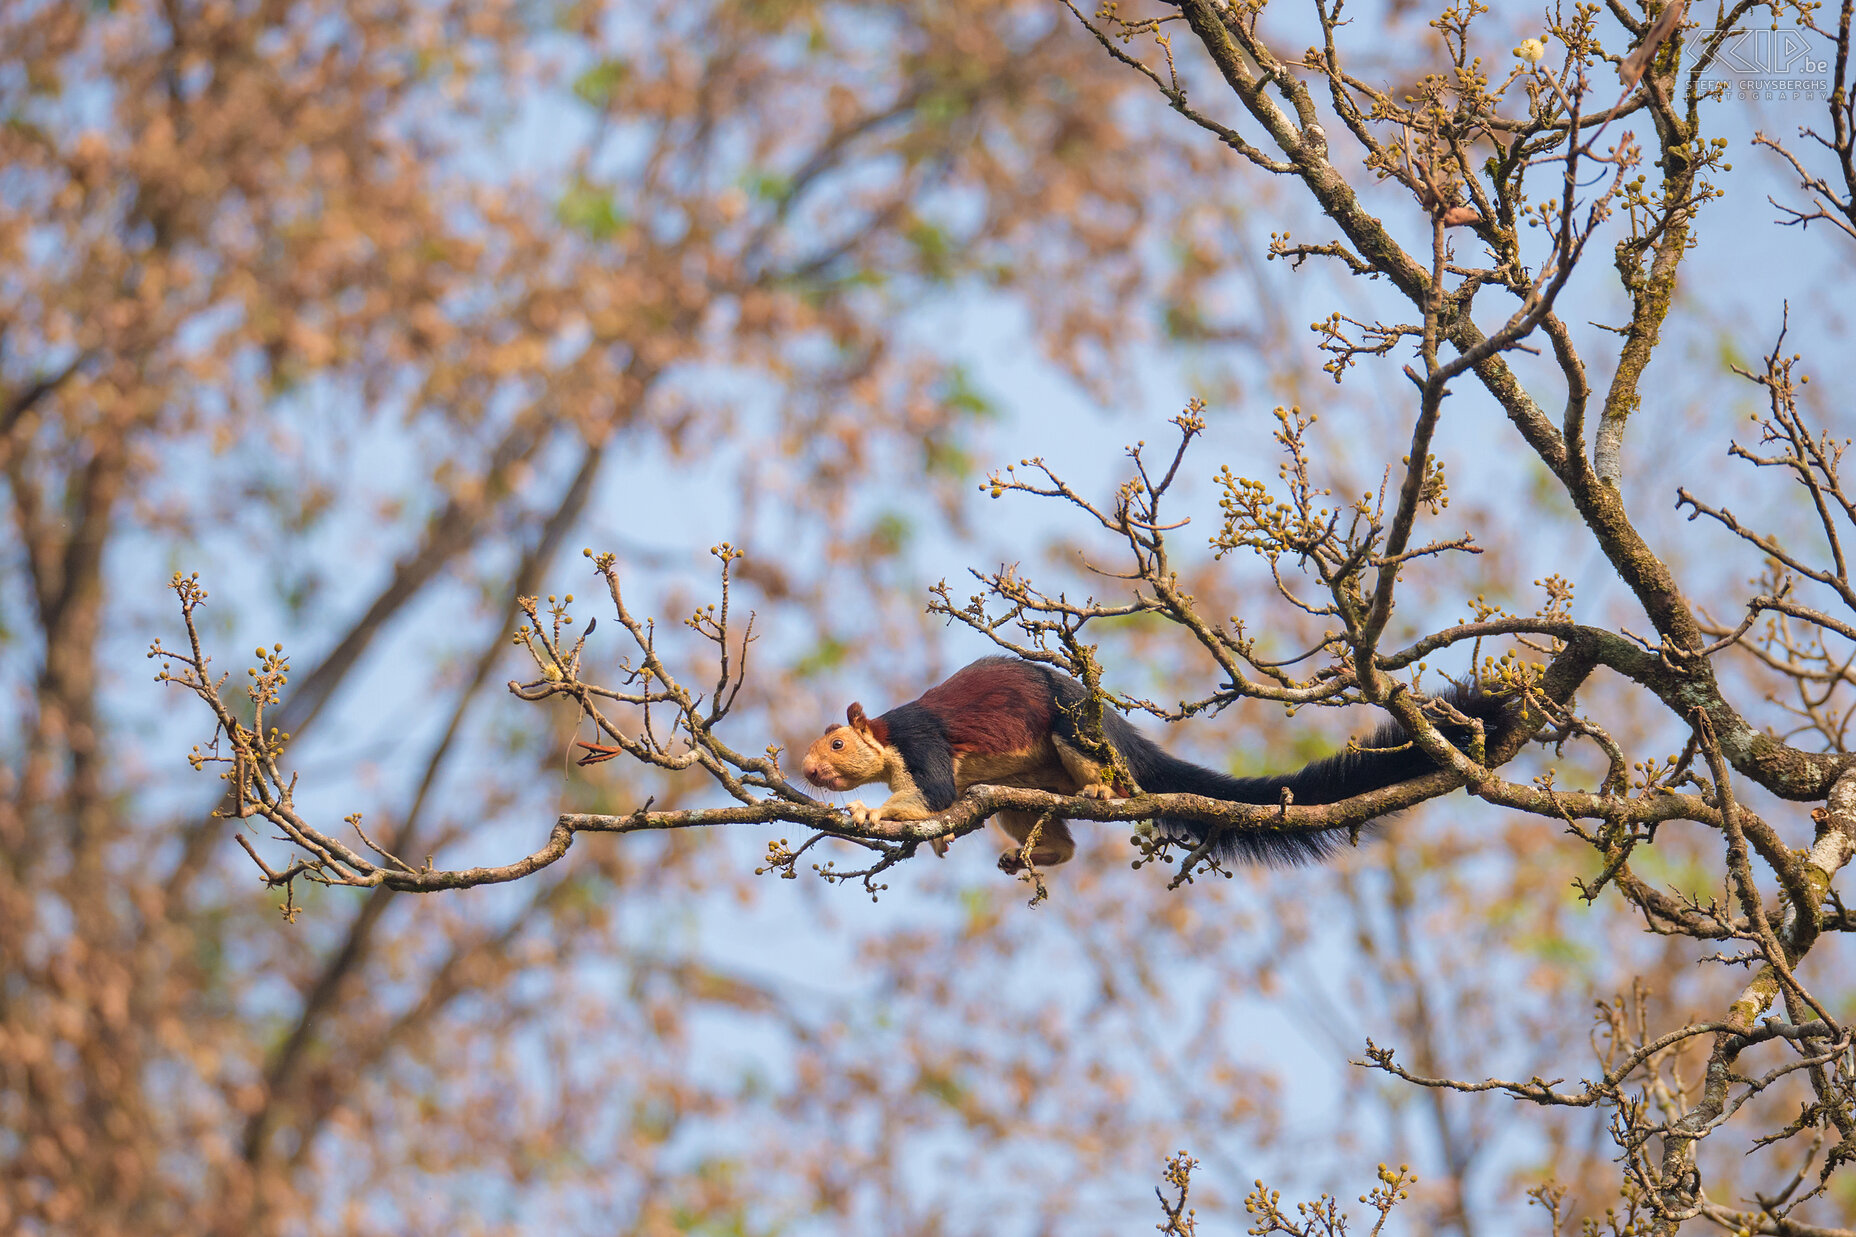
[369, 312]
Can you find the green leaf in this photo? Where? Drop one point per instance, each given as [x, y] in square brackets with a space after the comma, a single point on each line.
[890, 535]
[596, 86]
[934, 249]
[768, 186]
[944, 459]
[826, 654]
[961, 394]
[591, 210]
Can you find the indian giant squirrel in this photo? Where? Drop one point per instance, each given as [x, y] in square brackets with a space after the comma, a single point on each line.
[1003, 721]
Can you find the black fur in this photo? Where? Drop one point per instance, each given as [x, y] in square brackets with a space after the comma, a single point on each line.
[1328, 780]
[926, 751]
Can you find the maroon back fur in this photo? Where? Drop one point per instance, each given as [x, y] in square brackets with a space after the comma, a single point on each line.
[997, 705]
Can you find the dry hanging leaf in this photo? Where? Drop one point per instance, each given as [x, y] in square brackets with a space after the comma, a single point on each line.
[1633, 66]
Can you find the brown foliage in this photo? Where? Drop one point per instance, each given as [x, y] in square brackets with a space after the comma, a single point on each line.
[243, 245]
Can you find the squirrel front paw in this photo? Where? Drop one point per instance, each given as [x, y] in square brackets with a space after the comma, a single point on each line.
[1097, 790]
[861, 815]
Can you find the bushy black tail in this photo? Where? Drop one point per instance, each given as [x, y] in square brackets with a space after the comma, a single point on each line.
[1385, 759]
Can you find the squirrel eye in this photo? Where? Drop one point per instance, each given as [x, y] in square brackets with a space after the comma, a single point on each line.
[837, 745]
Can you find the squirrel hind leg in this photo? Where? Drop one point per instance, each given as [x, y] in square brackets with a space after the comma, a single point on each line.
[1054, 842]
[1093, 779]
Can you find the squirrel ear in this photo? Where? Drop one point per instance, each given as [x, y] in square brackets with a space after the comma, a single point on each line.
[855, 715]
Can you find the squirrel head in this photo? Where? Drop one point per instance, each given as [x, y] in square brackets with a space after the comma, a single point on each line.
[852, 754]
